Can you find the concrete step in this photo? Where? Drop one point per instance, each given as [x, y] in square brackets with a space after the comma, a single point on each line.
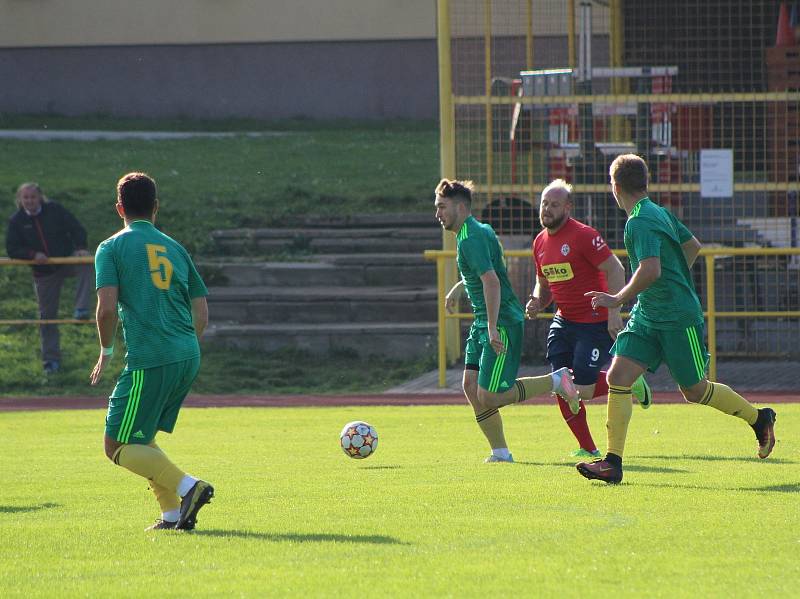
[327, 241]
[327, 233]
[280, 304]
[389, 220]
[242, 245]
[399, 341]
[326, 270]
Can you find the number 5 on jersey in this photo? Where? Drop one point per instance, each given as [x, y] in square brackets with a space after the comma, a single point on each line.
[160, 266]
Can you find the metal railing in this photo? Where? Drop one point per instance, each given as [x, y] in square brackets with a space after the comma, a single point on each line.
[49, 261]
[444, 257]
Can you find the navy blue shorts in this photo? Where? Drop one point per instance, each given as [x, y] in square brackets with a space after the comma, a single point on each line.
[582, 346]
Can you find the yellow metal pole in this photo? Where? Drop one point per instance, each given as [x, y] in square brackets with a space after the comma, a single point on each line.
[65, 260]
[711, 308]
[20, 321]
[529, 65]
[709, 254]
[624, 84]
[571, 32]
[626, 98]
[529, 38]
[447, 157]
[442, 316]
[616, 61]
[447, 137]
[487, 57]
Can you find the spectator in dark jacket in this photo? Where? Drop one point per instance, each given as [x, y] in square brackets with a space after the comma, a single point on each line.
[42, 229]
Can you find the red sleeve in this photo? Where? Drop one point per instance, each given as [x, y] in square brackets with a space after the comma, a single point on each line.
[595, 247]
[536, 242]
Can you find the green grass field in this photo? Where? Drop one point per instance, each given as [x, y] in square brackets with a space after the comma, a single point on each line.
[697, 515]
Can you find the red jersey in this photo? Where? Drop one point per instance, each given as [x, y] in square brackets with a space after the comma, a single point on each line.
[569, 261]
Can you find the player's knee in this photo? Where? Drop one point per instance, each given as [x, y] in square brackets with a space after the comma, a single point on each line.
[470, 389]
[694, 394]
[476, 403]
[690, 397]
[489, 399]
[620, 377]
[111, 448]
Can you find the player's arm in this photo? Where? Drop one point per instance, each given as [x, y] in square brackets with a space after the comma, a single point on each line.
[453, 296]
[491, 295]
[541, 297]
[689, 243]
[197, 292]
[107, 318]
[691, 249]
[615, 279]
[107, 315]
[649, 272]
[199, 315]
[615, 273]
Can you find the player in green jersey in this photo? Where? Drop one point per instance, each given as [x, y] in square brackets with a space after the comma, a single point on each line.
[665, 325]
[494, 346]
[148, 281]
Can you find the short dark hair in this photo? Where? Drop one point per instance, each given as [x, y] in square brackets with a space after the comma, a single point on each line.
[459, 190]
[629, 172]
[137, 193]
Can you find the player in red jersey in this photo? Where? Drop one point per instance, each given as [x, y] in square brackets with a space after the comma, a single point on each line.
[571, 259]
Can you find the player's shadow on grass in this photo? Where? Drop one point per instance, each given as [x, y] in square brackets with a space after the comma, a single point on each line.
[20, 509]
[775, 489]
[659, 469]
[301, 537]
[795, 488]
[626, 467]
[379, 467]
[715, 458]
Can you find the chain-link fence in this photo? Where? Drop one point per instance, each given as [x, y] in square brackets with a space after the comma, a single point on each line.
[706, 91]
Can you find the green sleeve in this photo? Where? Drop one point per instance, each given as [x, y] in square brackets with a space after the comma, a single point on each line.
[105, 267]
[476, 254]
[645, 241]
[684, 234]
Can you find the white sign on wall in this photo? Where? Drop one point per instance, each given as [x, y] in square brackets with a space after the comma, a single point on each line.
[716, 173]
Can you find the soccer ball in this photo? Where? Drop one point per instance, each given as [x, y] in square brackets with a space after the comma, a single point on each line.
[359, 440]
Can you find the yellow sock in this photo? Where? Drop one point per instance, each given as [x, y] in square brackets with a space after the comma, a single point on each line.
[726, 400]
[531, 386]
[619, 415]
[151, 464]
[167, 500]
[492, 427]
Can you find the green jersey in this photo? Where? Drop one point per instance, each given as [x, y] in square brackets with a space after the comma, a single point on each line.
[670, 302]
[479, 251]
[157, 281]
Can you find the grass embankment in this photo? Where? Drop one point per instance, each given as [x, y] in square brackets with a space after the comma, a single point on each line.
[304, 168]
